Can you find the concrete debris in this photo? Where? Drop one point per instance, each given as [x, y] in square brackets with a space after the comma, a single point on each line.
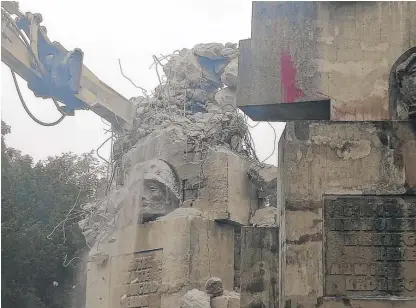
[230, 53]
[354, 149]
[183, 68]
[195, 299]
[210, 50]
[226, 99]
[189, 99]
[231, 45]
[90, 236]
[183, 212]
[265, 217]
[227, 300]
[265, 179]
[230, 75]
[214, 287]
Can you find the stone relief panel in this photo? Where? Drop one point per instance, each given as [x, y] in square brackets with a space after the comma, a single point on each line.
[370, 246]
[136, 279]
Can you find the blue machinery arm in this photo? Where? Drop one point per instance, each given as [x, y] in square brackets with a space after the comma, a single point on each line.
[51, 71]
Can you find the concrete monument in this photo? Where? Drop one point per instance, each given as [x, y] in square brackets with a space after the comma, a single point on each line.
[184, 182]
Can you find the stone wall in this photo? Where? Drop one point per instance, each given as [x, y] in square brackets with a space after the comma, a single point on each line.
[318, 159]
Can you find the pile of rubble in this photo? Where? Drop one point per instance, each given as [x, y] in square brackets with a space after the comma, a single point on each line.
[197, 95]
[214, 297]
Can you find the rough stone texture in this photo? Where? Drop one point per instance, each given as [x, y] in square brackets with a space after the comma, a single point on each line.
[230, 53]
[309, 51]
[195, 299]
[330, 158]
[265, 217]
[230, 75]
[228, 300]
[183, 68]
[210, 50]
[214, 287]
[183, 212]
[265, 179]
[185, 101]
[259, 267]
[226, 99]
[369, 245]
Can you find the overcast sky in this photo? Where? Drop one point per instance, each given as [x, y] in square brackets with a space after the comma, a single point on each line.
[132, 31]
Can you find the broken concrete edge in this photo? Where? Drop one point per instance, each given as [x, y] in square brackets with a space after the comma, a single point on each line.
[193, 78]
[214, 297]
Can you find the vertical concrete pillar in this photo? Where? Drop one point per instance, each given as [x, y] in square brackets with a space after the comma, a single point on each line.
[259, 267]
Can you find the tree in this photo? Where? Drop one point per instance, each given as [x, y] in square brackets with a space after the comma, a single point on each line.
[38, 198]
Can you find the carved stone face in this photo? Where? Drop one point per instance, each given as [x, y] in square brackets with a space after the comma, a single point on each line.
[160, 193]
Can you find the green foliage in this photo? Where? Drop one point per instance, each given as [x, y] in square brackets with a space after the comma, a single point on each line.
[35, 199]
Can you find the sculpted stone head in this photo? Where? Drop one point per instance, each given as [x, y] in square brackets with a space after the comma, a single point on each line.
[160, 192]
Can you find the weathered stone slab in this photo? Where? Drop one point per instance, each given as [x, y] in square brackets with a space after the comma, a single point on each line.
[370, 246]
[333, 158]
[312, 52]
[259, 267]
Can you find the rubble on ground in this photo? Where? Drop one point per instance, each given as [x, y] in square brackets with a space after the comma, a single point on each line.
[214, 297]
[229, 299]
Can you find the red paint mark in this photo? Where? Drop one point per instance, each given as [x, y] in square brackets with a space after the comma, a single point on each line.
[290, 92]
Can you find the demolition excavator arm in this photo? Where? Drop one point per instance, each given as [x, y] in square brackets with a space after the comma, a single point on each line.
[51, 71]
